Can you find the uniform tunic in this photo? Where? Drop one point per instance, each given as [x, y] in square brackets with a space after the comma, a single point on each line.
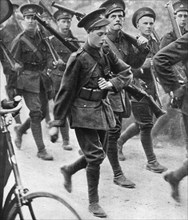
[64, 53]
[84, 70]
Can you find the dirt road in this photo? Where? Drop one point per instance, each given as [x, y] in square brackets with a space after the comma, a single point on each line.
[149, 200]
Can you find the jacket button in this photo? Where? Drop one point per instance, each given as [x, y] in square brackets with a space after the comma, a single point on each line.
[84, 106]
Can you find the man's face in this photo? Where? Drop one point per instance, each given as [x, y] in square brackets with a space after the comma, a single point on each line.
[30, 23]
[116, 21]
[182, 18]
[145, 25]
[64, 25]
[96, 38]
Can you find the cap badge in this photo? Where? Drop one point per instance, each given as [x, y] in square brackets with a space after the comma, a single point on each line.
[30, 10]
[101, 16]
[114, 5]
[181, 6]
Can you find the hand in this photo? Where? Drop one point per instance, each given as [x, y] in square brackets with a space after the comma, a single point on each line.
[142, 41]
[59, 62]
[103, 84]
[53, 132]
[17, 67]
[8, 119]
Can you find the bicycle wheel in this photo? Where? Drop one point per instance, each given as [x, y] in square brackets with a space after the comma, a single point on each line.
[43, 206]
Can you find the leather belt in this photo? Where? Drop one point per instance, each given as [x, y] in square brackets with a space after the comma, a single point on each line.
[92, 94]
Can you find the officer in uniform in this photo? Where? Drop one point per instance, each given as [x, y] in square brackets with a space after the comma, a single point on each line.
[32, 81]
[63, 19]
[83, 96]
[143, 19]
[163, 62]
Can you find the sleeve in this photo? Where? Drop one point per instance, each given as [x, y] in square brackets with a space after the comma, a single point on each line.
[166, 58]
[16, 49]
[122, 71]
[136, 57]
[67, 91]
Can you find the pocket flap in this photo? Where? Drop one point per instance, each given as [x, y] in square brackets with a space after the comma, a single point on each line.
[82, 103]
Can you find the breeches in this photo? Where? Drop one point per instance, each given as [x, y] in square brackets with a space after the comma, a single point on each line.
[143, 114]
[93, 144]
[36, 103]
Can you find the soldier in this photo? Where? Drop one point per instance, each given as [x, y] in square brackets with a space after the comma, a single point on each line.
[63, 19]
[143, 19]
[32, 81]
[83, 96]
[163, 62]
[181, 17]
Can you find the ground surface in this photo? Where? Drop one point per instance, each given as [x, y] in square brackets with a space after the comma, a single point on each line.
[149, 200]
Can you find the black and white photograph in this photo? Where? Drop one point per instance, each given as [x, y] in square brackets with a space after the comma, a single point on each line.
[93, 109]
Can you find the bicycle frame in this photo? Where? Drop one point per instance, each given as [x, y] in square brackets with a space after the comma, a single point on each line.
[17, 190]
[19, 197]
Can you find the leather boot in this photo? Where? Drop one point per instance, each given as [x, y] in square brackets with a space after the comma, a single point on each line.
[19, 131]
[130, 131]
[93, 181]
[174, 178]
[156, 167]
[69, 170]
[124, 182]
[97, 210]
[37, 134]
[119, 177]
[174, 183]
[146, 139]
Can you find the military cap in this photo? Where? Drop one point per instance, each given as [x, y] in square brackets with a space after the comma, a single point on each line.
[113, 6]
[141, 12]
[15, 6]
[62, 14]
[93, 20]
[31, 9]
[180, 6]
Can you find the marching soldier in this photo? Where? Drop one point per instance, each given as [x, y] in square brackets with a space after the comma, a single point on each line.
[143, 19]
[181, 18]
[83, 96]
[63, 19]
[33, 83]
[163, 62]
[122, 45]
[118, 42]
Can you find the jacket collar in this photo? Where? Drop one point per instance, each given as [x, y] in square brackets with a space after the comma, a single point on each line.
[94, 52]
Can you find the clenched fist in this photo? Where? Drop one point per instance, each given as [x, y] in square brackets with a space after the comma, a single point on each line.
[53, 132]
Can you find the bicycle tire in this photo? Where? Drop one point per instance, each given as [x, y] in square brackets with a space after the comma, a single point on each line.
[14, 210]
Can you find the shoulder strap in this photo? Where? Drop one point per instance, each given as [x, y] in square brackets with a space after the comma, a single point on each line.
[31, 46]
[114, 48]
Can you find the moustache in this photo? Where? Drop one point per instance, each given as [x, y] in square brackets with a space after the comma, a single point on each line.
[118, 24]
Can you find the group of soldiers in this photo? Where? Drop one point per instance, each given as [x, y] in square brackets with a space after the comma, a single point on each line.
[89, 86]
